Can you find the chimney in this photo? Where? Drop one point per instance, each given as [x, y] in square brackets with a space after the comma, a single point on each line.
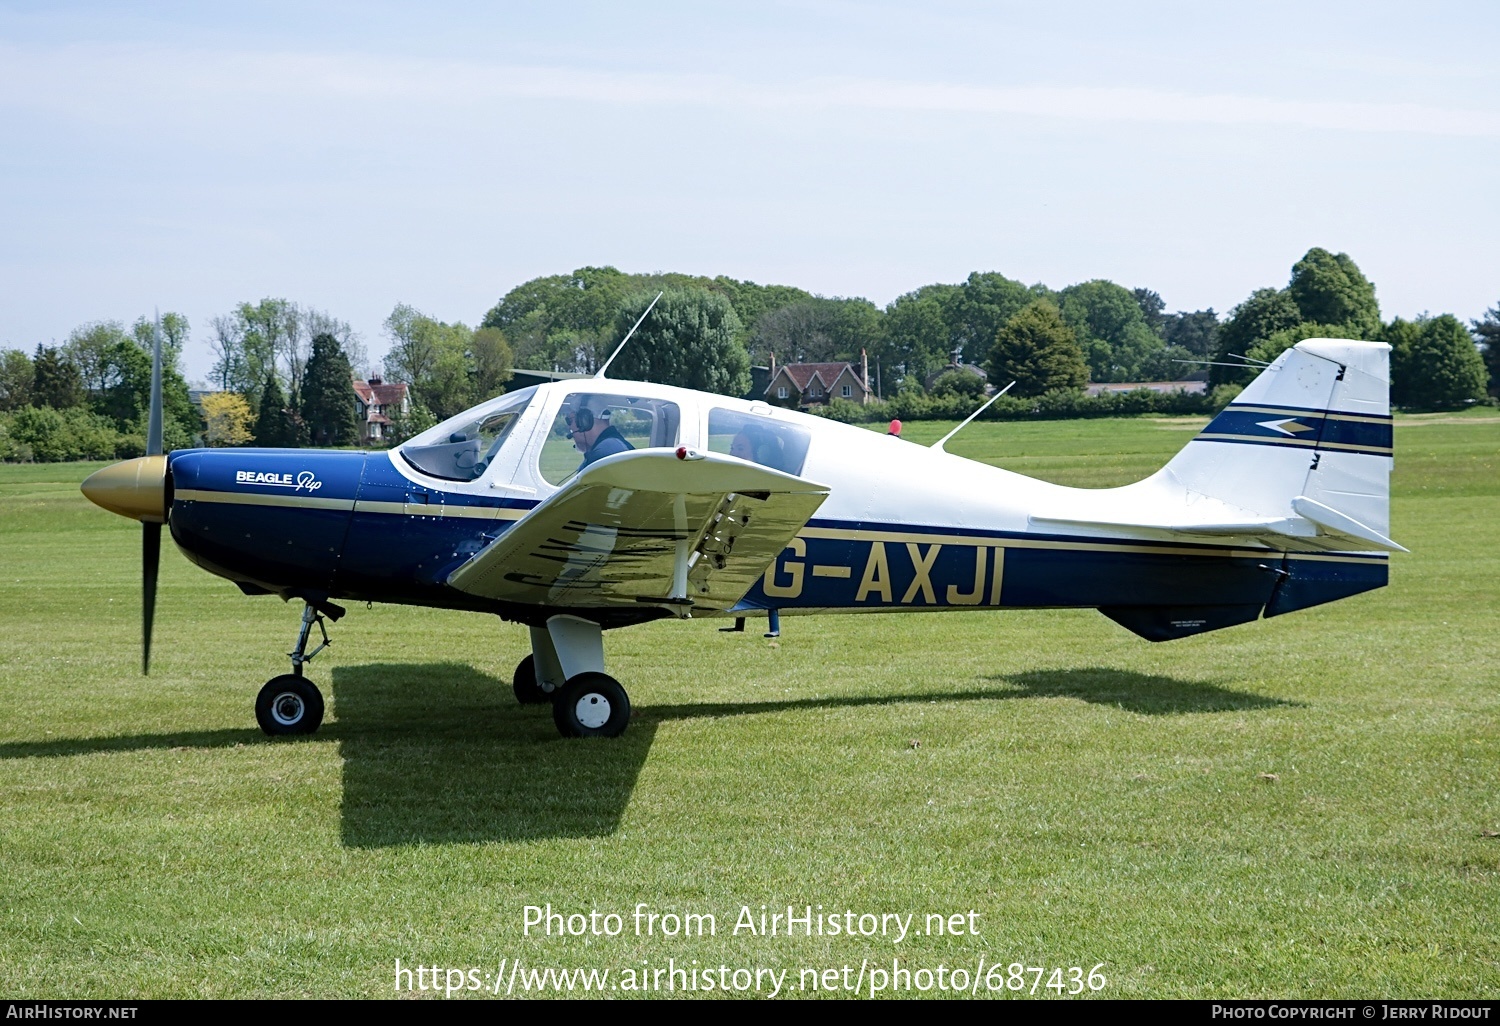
[864, 368]
[773, 365]
[374, 381]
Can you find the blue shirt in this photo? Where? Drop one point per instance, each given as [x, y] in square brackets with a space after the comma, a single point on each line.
[608, 443]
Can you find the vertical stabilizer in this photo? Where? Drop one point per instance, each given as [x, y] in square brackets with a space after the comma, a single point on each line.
[1314, 425]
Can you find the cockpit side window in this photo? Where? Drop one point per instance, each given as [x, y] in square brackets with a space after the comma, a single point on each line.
[590, 427]
[771, 443]
[463, 447]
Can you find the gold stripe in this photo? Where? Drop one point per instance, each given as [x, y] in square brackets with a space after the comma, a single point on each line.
[260, 499]
[839, 534]
[437, 509]
[310, 502]
[1301, 443]
[836, 534]
[1335, 559]
[1311, 414]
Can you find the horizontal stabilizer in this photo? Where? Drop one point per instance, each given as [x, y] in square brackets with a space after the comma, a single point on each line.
[1339, 525]
[1315, 526]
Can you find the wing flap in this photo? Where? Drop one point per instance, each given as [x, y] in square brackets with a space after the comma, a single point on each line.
[647, 526]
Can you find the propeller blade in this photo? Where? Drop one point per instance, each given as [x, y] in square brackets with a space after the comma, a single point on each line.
[151, 539]
[150, 564]
[153, 424]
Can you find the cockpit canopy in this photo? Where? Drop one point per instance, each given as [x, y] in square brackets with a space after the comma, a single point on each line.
[461, 448]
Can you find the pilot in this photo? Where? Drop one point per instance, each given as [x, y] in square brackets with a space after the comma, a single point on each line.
[594, 436]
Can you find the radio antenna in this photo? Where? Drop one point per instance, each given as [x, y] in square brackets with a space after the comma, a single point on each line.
[938, 445]
[600, 372]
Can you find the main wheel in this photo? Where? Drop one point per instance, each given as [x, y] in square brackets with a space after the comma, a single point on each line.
[524, 684]
[591, 705]
[289, 705]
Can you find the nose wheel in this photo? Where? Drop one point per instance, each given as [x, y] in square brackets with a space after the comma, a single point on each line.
[289, 704]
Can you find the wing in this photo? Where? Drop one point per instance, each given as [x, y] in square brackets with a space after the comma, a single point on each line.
[647, 526]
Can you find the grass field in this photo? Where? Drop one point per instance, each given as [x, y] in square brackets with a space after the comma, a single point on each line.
[1304, 806]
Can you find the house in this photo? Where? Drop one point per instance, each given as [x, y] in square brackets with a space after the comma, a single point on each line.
[1164, 387]
[813, 384]
[375, 404]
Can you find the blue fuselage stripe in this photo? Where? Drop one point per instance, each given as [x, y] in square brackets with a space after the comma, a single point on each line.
[1289, 426]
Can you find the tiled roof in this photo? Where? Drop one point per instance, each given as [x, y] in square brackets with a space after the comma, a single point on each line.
[802, 374]
[383, 394]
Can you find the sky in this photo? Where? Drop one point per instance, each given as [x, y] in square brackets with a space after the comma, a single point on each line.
[353, 156]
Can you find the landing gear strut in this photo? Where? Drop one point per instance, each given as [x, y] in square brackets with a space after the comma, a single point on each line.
[290, 703]
[566, 668]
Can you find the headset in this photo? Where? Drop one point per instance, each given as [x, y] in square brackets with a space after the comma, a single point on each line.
[583, 420]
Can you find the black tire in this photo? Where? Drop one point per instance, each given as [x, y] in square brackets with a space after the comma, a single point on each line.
[524, 684]
[289, 705]
[591, 705]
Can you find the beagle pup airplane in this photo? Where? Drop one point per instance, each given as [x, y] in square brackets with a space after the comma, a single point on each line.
[576, 507]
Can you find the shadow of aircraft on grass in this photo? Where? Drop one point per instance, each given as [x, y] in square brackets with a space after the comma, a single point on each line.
[1149, 694]
[439, 753]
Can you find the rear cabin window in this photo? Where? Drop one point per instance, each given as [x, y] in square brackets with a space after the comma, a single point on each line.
[590, 427]
[771, 443]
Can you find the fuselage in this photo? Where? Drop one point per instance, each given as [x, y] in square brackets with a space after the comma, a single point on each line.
[904, 527]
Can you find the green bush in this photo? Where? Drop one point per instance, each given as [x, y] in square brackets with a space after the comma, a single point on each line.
[53, 436]
[1058, 404]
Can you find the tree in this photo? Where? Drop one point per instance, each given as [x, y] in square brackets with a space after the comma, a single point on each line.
[328, 396]
[1039, 351]
[434, 358]
[1197, 332]
[493, 361]
[228, 418]
[55, 381]
[243, 357]
[174, 335]
[320, 322]
[278, 426]
[1434, 365]
[690, 340]
[1330, 289]
[919, 333]
[115, 367]
[958, 382]
[1266, 312]
[1268, 349]
[275, 327]
[815, 330]
[415, 419]
[16, 378]
[560, 322]
[1153, 310]
[1112, 331]
[1488, 333]
[985, 301]
[1325, 291]
[751, 302]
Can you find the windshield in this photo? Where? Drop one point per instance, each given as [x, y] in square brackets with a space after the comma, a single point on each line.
[462, 447]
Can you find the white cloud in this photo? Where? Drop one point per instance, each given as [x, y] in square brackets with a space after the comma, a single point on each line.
[101, 81]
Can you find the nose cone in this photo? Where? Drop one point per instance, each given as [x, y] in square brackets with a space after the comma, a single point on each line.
[135, 488]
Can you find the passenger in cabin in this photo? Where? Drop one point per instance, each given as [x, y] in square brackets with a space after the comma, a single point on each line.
[594, 436]
[757, 446]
